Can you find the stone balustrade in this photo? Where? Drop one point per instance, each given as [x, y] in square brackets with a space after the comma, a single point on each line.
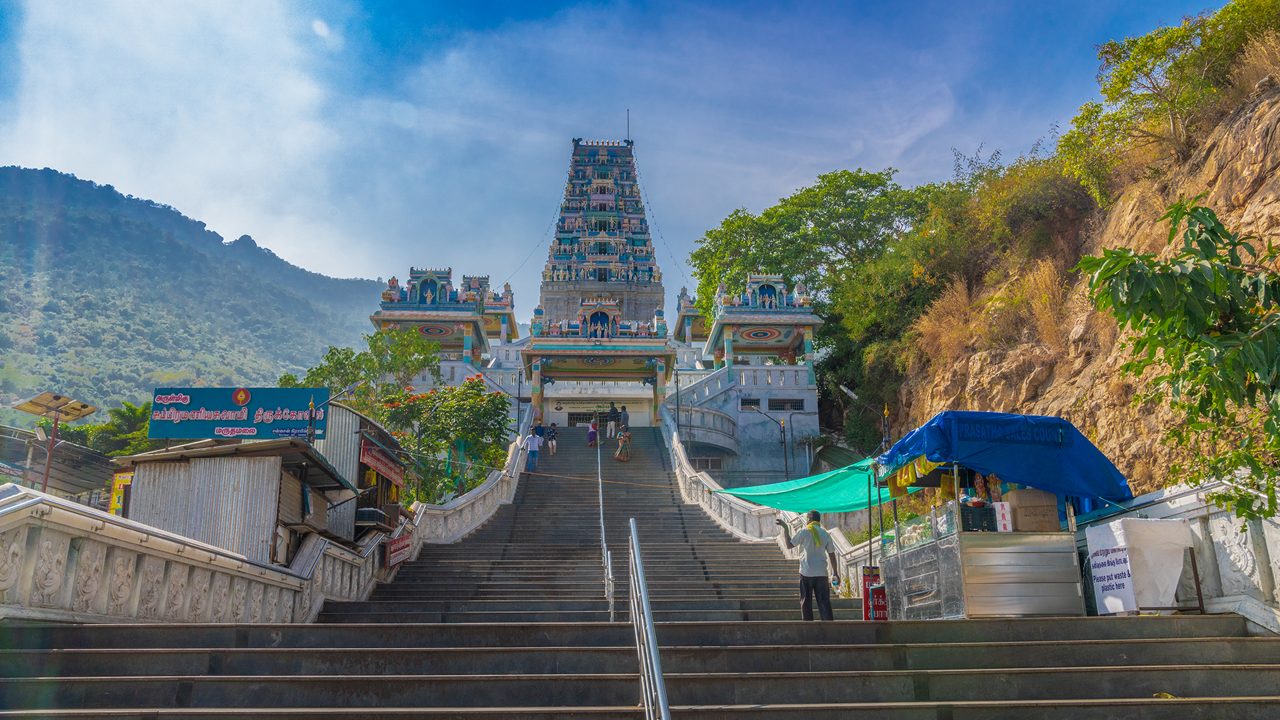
[454, 520]
[711, 427]
[743, 519]
[705, 387]
[772, 376]
[66, 562]
[61, 561]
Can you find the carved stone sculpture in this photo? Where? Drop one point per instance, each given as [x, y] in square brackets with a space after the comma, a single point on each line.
[218, 599]
[239, 590]
[255, 603]
[273, 598]
[10, 560]
[150, 593]
[89, 569]
[199, 604]
[121, 584]
[176, 593]
[51, 562]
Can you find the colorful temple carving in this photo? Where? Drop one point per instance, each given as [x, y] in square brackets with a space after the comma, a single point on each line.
[764, 320]
[690, 326]
[462, 319]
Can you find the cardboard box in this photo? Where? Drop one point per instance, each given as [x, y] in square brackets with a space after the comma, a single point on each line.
[1036, 519]
[1026, 497]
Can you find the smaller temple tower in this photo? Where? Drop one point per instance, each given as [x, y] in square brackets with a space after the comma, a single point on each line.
[462, 319]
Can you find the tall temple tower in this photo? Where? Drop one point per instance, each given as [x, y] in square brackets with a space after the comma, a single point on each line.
[602, 253]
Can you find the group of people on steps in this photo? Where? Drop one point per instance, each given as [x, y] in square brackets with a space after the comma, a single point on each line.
[617, 425]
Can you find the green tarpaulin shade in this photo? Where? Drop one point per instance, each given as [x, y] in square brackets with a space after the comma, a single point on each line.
[841, 490]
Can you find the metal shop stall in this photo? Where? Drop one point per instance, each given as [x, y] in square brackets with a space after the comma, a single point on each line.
[993, 544]
[259, 499]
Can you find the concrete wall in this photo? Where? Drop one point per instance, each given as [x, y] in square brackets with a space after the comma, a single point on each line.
[761, 458]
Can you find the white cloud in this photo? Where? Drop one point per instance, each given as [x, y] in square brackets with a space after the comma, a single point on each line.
[232, 113]
[210, 107]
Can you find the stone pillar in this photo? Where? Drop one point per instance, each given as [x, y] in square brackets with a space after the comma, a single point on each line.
[659, 389]
[466, 344]
[506, 330]
[728, 348]
[808, 355]
[535, 389]
[688, 328]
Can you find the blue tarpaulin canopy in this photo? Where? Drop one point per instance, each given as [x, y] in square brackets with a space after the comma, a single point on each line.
[1046, 453]
[841, 490]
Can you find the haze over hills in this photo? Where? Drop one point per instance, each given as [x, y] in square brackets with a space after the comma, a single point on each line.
[104, 296]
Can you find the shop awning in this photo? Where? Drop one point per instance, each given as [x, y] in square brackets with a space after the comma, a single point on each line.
[841, 490]
[1046, 453]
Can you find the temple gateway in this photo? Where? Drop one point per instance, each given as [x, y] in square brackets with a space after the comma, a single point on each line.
[739, 385]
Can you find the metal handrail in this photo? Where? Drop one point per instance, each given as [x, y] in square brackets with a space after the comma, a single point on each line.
[606, 558]
[653, 688]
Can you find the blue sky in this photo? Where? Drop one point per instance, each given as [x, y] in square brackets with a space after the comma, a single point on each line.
[359, 138]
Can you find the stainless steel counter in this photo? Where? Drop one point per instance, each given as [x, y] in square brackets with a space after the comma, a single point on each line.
[985, 574]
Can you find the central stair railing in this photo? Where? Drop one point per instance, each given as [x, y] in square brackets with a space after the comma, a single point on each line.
[606, 557]
[653, 688]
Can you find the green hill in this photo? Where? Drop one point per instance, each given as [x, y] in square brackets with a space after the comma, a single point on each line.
[104, 296]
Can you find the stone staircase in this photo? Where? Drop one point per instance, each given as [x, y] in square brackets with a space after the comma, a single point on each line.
[539, 559]
[513, 623]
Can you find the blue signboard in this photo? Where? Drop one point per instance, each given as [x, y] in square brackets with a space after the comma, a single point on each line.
[246, 413]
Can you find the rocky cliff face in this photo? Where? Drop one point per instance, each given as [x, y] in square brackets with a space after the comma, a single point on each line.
[1238, 168]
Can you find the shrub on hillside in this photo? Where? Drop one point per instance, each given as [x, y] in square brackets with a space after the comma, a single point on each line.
[1260, 59]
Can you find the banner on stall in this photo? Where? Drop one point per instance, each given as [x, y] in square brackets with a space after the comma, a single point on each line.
[249, 413]
[381, 462]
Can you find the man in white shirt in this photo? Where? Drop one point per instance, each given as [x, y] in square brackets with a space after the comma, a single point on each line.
[532, 444]
[816, 548]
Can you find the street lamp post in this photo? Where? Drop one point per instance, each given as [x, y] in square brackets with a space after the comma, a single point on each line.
[311, 409]
[55, 407]
[884, 445]
[676, 372]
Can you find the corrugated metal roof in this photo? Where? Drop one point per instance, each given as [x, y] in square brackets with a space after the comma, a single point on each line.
[75, 468]
[289, 450]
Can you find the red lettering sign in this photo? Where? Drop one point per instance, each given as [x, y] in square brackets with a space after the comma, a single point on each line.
[398, 549]
[875, 604]
[374, 457]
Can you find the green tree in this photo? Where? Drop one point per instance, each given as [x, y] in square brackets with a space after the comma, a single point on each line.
[392, 360]
[811, 236]
[1157, 88]
[1206, 325]
[455, 435]
[123, 433]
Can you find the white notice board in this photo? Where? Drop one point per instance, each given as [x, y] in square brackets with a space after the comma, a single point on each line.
[1136, 563]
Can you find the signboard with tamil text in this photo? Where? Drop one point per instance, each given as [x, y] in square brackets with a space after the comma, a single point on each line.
[228, 413]
[398, 549]
[381, 462]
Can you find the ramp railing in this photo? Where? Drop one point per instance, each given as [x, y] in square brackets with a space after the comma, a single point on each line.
[653, 688]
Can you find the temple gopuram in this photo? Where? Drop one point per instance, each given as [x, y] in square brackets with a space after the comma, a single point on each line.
[599, 334]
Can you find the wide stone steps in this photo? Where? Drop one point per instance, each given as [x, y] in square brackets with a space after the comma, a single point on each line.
[512, 623]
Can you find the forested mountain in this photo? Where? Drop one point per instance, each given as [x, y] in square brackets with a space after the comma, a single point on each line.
[104, 296]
